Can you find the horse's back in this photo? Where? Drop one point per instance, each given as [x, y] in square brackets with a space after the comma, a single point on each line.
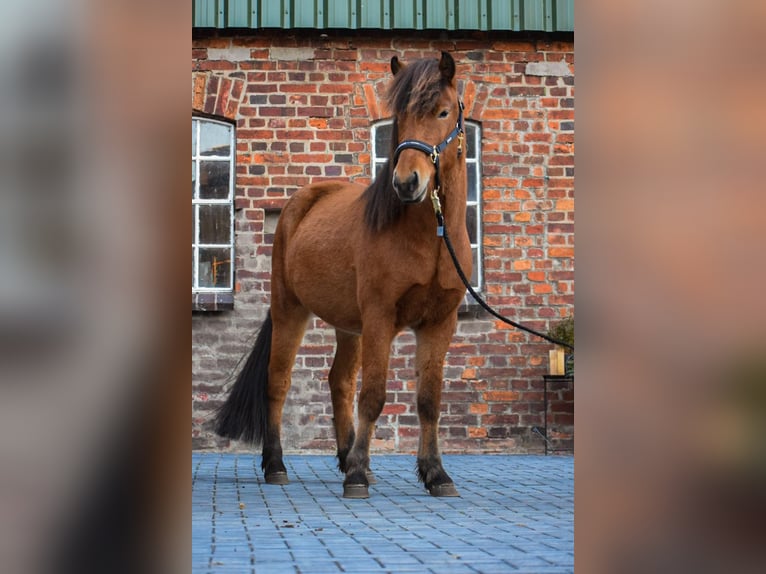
[329, 193]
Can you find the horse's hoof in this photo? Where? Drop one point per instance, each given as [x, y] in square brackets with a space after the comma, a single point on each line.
[371, 478]
[279, 477]
[447, 489]
[355, 491]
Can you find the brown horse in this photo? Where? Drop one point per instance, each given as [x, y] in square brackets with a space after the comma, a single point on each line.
[369, 263]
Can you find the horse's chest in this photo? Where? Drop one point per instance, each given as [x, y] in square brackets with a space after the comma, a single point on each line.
[426, 304]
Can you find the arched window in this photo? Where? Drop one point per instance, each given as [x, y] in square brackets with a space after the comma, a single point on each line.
[213, 153]
[381, 146]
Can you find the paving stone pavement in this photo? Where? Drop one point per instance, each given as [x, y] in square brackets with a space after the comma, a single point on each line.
[515, 514]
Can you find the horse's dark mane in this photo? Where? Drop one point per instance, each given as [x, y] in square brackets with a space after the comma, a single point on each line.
[415, 90]
[382, 207]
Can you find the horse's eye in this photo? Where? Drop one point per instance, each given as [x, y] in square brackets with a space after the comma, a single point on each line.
[444, 114]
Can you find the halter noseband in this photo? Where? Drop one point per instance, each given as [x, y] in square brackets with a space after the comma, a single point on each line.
[434, 151]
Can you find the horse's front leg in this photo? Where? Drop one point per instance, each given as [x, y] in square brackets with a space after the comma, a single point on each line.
[342, 379]
[376, 346]
[432, 345]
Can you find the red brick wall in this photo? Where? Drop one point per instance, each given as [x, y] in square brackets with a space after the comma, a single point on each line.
[303, 106]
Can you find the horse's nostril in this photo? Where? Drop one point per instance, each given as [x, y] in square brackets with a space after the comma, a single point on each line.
[409, 184]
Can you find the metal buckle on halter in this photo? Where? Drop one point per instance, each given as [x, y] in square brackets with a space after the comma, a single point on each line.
[460, 142]
[435, 155]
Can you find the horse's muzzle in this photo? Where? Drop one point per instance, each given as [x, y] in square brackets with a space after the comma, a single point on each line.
[411, 190]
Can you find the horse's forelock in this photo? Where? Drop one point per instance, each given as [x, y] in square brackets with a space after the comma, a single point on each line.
[416, 88]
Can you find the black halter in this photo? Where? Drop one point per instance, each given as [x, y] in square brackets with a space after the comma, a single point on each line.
[434, 151]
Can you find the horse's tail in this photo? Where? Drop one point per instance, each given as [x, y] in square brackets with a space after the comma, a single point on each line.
[244, 415]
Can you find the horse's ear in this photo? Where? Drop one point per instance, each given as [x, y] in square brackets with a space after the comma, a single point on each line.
[396, 65]
[447, 67]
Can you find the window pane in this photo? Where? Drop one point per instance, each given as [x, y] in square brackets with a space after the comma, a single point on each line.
[214, 267]
[471, 172]
[194, 137]
[378, 166]
[383, 140]
[214, 224]
[194, 224]
[471, 222]
[214, 139]
[194, 177]
[214, 179]
[470, 140]
[475, 271]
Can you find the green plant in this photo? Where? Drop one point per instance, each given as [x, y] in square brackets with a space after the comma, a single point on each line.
[564, 331]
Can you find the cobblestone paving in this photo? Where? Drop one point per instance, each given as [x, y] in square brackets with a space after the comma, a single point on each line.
[515, 514]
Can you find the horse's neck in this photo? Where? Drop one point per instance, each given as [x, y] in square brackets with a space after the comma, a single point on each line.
[454, 204]
[420, 219]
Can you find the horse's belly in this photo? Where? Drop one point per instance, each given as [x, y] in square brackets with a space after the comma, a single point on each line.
[332, 301]
[322, 274]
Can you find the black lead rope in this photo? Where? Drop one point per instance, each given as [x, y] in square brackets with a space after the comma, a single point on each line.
[441, 230]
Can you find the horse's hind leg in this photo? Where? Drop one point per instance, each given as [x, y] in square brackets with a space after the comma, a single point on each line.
[342, 378]
[289, 327]
[432, 344]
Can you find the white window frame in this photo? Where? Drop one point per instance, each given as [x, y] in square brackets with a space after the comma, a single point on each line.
[197, 121]
[475, 163]
[379, 157]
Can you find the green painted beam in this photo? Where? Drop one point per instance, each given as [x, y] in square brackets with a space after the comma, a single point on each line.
[375, 14]
[205, 14]
[564, 15]
[436, 15]
[511, 15]
[242, 14]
